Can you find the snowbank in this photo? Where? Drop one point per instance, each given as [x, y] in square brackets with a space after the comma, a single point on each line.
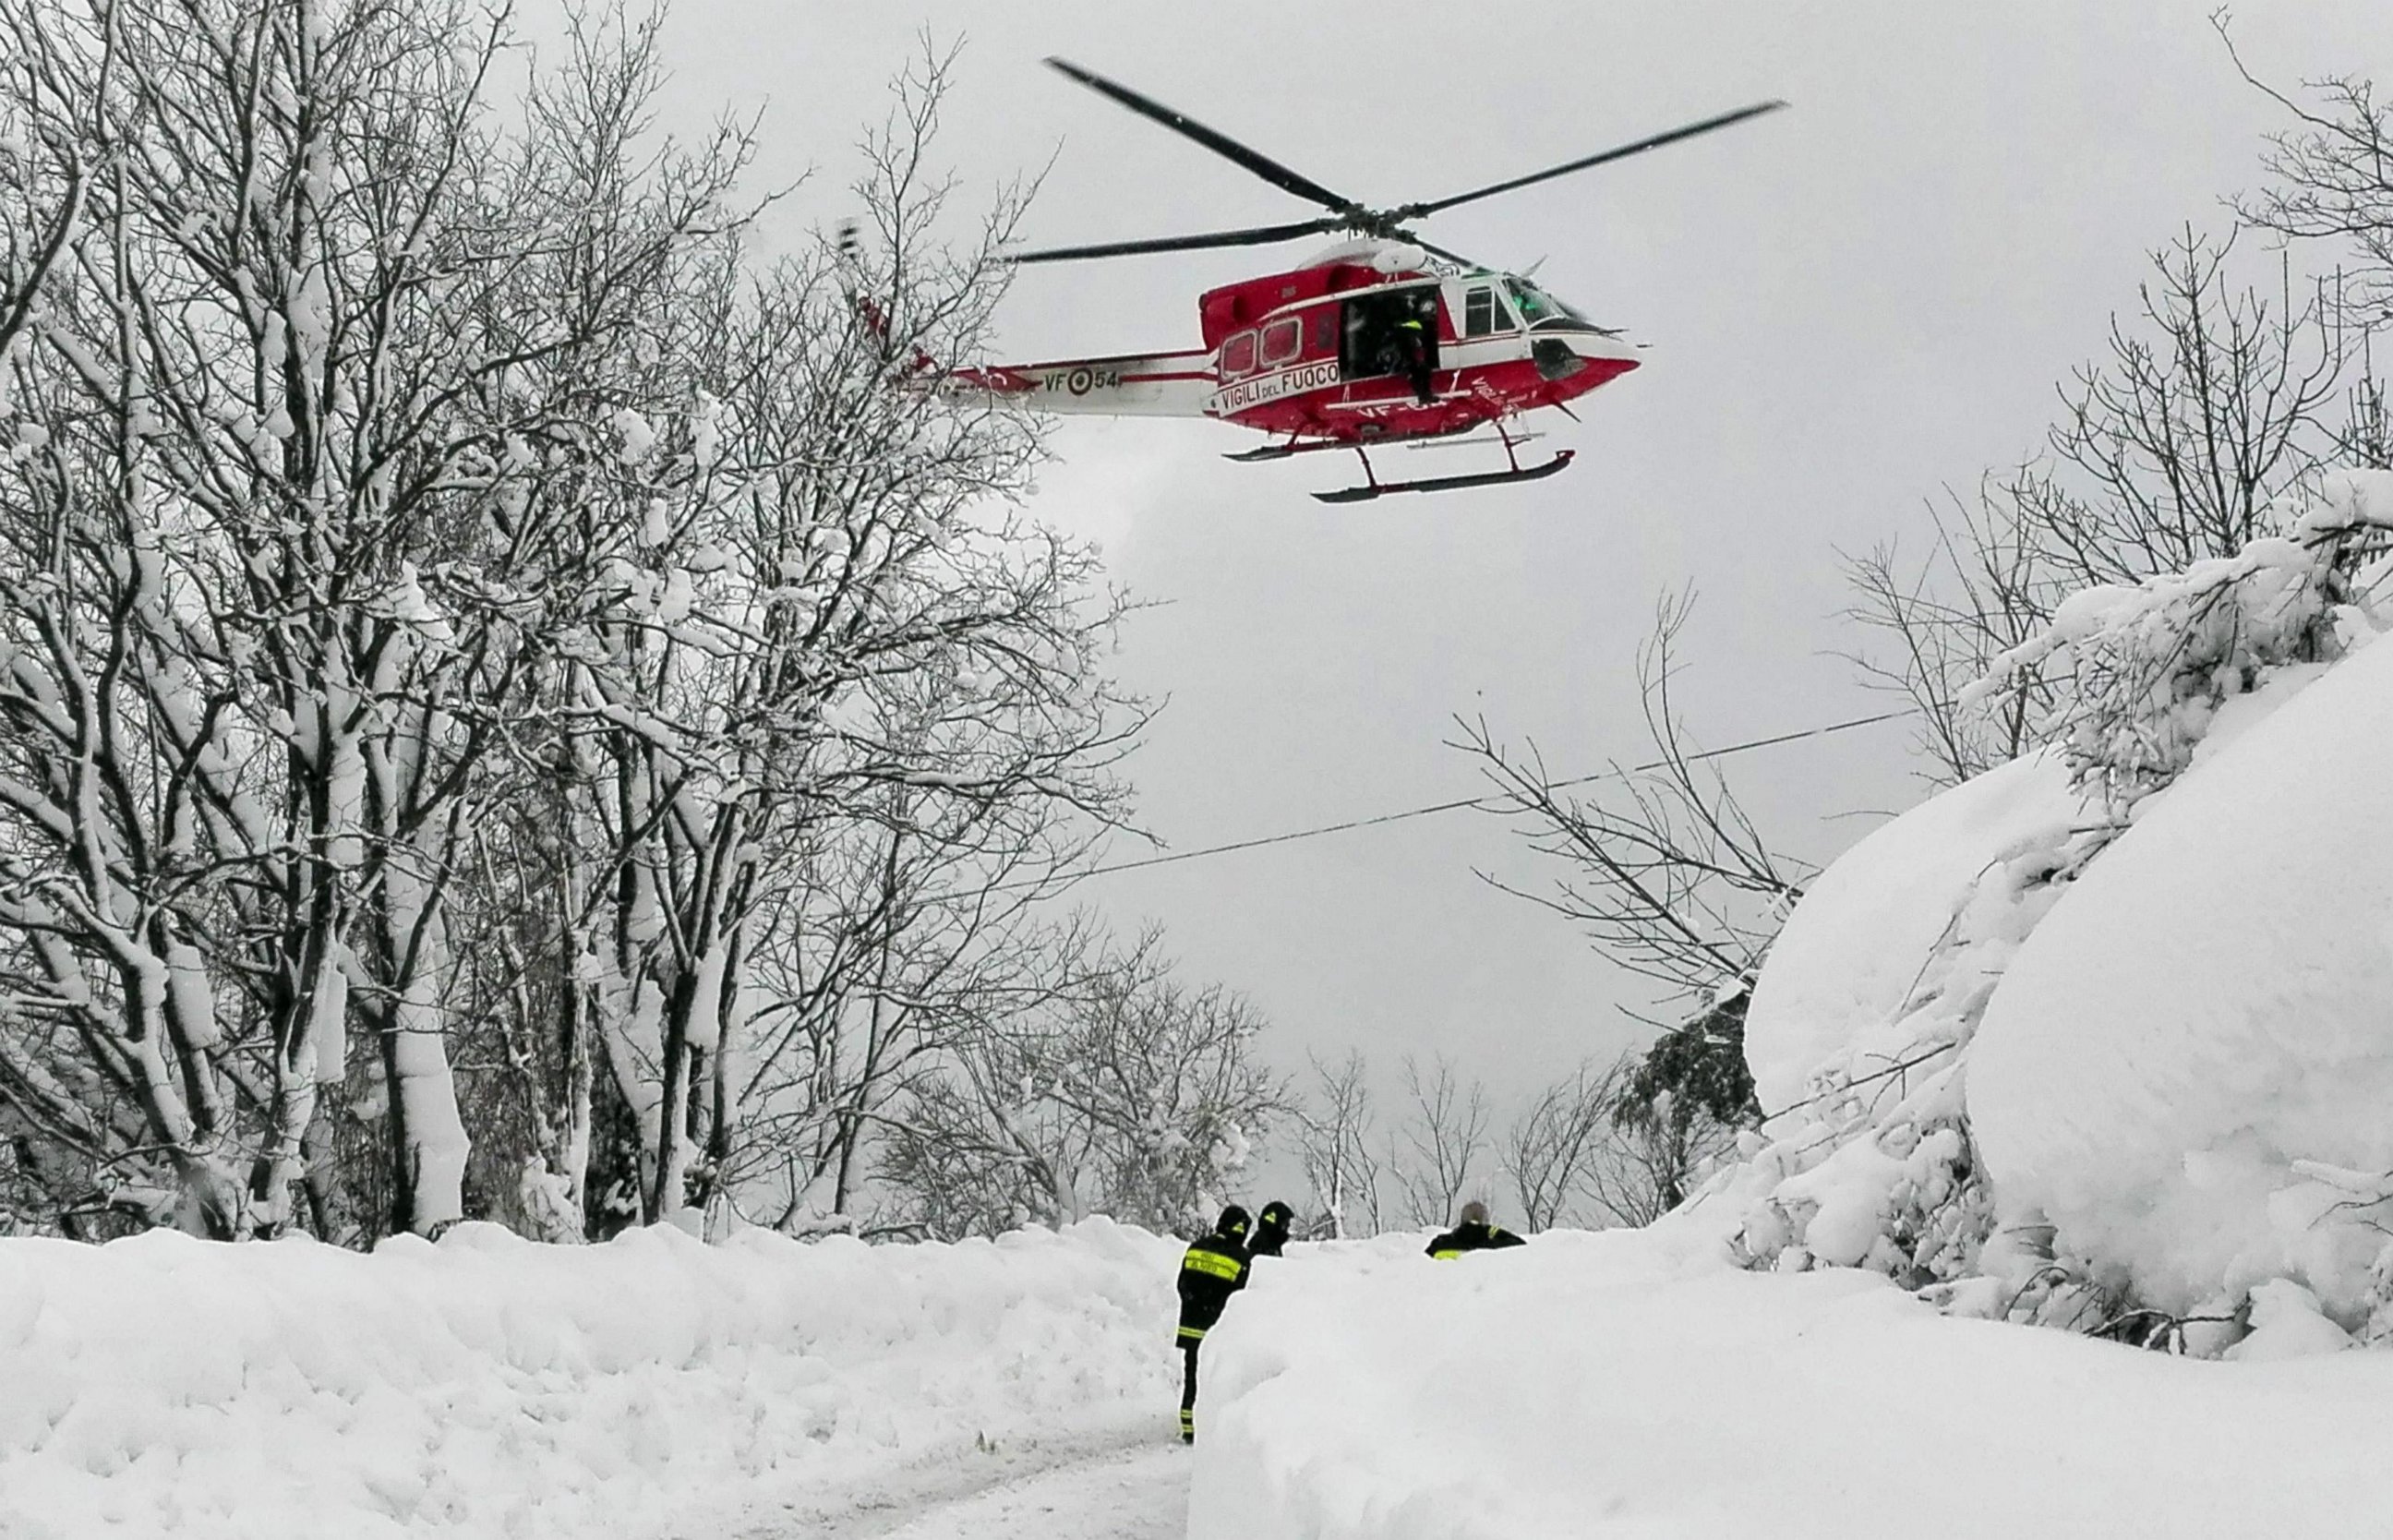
[1851, 955]
[2207, 1006]
[2158, 1098]
[1862, 1022]
[1633, 1383]
[488, 1386]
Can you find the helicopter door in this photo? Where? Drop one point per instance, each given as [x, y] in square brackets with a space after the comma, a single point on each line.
[1373, 347]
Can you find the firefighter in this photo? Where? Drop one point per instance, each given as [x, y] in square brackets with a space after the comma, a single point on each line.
[1271, 1228]
[1473, 1233]
[1411, 340]
[1213, 1269]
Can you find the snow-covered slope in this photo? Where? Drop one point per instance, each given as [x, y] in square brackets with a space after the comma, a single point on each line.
[2210, 1003]
[1851, 955]
[2097, 1040]
[1633, 1384]
[1861, 1021]
[488, 1386]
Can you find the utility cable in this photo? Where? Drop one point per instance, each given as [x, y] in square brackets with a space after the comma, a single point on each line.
[1490, 802]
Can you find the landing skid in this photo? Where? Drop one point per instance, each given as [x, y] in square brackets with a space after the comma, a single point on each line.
[1450, 483]
[1373, 487]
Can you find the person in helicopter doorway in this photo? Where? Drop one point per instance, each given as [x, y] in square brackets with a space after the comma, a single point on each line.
[1405, 352]
[1214, 1268]
[1471, 1233]
[1271, 1228]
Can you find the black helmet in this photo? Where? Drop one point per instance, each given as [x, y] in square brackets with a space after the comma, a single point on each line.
[1277, 1215]
[1231, 1223]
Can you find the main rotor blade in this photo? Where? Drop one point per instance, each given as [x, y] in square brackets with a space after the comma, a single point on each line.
[1617, 152]
[1259, 235]
[1220, 144]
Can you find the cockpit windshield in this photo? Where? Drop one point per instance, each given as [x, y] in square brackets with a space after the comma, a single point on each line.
[1540, 308]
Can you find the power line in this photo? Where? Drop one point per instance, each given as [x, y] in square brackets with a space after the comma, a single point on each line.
[1486, 802]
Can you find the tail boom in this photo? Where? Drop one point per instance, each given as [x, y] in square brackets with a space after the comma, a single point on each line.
[1130, 385]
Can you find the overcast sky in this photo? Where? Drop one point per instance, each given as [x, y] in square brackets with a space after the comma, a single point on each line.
[1848, 305]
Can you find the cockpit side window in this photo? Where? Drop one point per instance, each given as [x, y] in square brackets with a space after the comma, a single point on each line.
[1478, 311]
[1483, 311]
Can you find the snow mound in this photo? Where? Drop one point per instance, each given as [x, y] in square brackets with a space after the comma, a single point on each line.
[1623, 1384]
[1851, 954]
[2207, 1008]
[489, 1386]
[1861, 1024]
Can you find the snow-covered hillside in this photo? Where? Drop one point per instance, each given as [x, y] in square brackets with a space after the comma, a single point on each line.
[488, 1386]
[1635, 1383]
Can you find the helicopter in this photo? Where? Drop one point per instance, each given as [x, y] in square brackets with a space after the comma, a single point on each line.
[1381, 339]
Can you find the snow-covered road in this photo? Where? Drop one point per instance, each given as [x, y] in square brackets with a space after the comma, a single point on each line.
[1119, 1490]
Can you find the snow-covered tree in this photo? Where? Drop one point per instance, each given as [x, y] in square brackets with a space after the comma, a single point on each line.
[1436, 1157]
[1553, 1150]
[826, 588]
[451, 598]
[1334, 1123]
[1112, 1088]
[2226, 392]
[279, 555]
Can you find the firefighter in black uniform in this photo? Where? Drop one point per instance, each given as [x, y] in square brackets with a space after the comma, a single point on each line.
[1271, 1228]
[1213, 1269]
[1473, 1233]
[1409, 354]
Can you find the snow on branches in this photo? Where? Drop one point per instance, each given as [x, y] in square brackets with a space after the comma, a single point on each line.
[452, 595]
[2139, 675]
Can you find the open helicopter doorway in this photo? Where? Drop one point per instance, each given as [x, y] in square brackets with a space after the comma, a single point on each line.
[1375, 341]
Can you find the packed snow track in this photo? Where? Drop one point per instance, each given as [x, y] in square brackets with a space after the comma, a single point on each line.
[1122, 1491]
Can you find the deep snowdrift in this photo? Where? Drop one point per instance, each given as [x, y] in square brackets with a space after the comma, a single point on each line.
[2205, 1007]
[1849, 957]
[2097, 1040]
[1634, 1383]
[1862, 1022]
[488, 1386]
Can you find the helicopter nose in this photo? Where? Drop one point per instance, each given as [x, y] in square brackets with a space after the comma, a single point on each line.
[1577, 362]
[1566, 354]
[1596, 347]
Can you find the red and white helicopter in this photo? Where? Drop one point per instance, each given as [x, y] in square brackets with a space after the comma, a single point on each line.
[1381, 339]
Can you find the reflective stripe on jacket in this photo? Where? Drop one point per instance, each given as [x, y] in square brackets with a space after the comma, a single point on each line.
[1213, 1269]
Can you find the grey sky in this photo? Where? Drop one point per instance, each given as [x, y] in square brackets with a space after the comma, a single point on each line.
[1849, 304]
